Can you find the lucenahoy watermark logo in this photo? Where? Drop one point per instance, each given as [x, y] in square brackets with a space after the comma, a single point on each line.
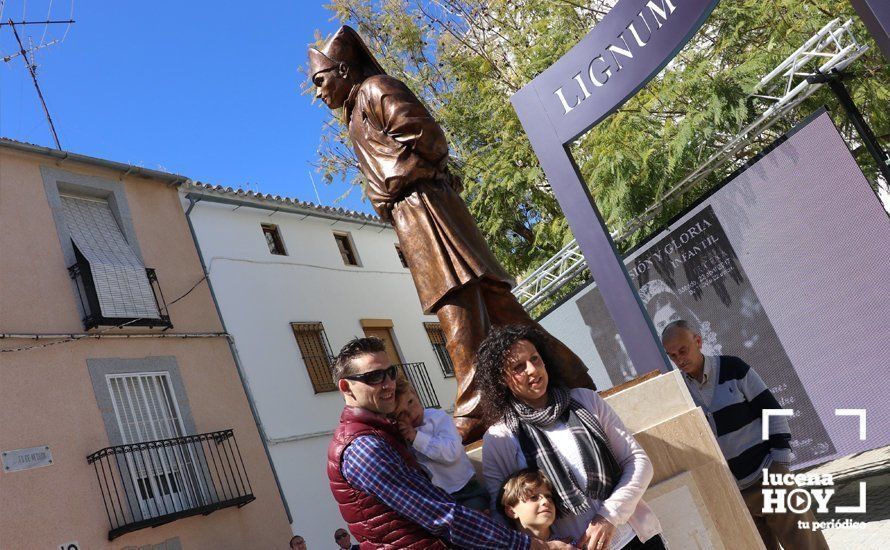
[800, 493]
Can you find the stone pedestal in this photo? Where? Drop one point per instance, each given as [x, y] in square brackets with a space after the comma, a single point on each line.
[692, 492]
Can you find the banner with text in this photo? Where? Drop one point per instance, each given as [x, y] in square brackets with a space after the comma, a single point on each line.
[786, 266]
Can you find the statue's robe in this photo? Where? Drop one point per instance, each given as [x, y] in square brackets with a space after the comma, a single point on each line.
[403, 154]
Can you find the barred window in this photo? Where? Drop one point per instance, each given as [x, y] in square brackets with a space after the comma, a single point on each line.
[316, 352]
[437, 339]
[146, 409]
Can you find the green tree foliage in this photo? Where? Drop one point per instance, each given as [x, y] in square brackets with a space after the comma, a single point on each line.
[465, 59]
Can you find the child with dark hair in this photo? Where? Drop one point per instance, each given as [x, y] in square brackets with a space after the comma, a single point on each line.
[435, 442]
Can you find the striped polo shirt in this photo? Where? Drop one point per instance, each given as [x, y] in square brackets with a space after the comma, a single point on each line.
[734, 396]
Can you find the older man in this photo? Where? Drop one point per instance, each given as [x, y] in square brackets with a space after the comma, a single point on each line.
[381, 490]
[403, 155]
[734, 397]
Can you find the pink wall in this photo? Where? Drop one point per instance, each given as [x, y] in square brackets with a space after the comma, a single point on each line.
[46, 396]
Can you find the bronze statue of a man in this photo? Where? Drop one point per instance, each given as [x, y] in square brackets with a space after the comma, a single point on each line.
[403, 155]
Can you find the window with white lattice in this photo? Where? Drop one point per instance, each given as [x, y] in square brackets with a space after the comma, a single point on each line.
[164, 479]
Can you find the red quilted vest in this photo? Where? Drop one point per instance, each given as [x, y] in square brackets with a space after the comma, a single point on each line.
[374, 524]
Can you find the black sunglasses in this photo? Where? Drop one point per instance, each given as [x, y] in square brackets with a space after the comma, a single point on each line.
[374, 377]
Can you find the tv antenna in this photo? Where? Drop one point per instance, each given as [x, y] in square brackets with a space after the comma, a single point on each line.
[27, 53]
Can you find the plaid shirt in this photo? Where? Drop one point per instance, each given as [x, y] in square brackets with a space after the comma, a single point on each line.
[372, 466]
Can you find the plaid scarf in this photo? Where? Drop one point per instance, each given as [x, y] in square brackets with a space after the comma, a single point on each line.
[597, 456]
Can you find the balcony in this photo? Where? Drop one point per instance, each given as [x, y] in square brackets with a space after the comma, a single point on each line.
[156, 482]
[89, 299]
[420, 379]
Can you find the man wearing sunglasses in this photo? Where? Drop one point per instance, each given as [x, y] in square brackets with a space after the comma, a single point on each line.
[344, 542]
[382, 492]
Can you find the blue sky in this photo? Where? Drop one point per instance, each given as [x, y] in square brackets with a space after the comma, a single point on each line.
[209, 90]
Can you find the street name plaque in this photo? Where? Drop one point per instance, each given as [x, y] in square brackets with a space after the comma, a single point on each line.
[26, 459]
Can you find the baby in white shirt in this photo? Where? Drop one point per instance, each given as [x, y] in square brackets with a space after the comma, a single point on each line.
[438, 447]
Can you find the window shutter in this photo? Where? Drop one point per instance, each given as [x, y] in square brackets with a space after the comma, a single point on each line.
[316, 354]
[145, 407]
[162, 478]
[119, 277]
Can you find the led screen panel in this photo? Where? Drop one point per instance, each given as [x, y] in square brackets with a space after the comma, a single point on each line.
[786, 265]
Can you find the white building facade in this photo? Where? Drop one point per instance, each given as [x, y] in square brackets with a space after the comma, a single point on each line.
[294, 282]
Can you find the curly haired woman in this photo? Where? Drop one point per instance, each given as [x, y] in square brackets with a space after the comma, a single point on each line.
[599, 472]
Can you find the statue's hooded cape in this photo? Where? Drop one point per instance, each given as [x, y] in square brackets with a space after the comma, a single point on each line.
[346, 46]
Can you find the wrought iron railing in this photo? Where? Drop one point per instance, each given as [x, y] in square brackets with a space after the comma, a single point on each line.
[156, 482]
[420, 379]
[89, 299]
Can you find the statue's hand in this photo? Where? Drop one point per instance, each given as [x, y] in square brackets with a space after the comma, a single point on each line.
[384, 209]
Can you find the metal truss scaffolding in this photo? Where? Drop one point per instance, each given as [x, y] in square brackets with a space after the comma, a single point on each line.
[833, 48]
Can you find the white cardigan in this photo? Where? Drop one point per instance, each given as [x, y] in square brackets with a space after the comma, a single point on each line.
[501, 456]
